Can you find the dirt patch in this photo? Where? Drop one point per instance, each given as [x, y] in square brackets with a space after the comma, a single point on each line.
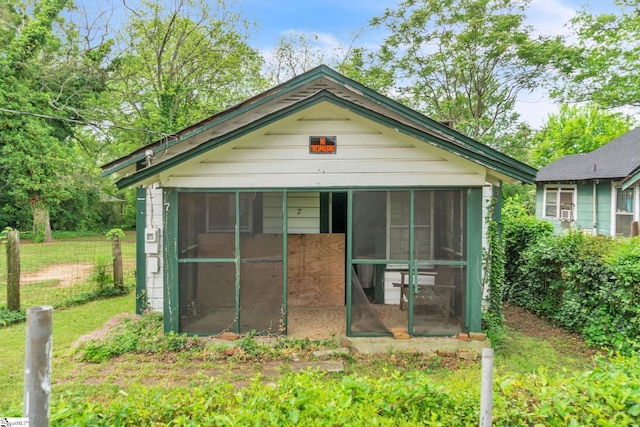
[65, 274]
[527, 323]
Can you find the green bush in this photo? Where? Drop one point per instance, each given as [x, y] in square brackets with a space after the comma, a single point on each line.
[609, 395]
[9, 317]
[519, 231]
[586, 284]
[306, 399]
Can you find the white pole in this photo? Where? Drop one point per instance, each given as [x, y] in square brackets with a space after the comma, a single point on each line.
[486, 393]
[37, 370]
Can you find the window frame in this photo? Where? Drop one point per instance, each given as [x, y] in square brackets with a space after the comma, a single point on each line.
[559, 215]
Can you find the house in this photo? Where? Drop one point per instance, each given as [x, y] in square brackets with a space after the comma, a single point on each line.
[596, 192]
[321, 198]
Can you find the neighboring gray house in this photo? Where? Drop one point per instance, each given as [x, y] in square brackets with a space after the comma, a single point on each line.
[597, 192]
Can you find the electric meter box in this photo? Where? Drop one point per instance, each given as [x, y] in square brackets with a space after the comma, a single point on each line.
[151, 240]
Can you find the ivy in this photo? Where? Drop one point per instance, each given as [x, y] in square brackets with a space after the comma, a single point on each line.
[494, 268]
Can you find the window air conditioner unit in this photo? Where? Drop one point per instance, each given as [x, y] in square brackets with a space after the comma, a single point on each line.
[565, 214]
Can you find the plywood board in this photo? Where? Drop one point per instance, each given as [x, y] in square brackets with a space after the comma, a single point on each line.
[316, 272]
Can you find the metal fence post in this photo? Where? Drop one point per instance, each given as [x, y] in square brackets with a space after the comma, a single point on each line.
[37, 371]
[486, 393]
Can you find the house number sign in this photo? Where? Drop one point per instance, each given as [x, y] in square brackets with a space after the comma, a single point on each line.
[322, 144]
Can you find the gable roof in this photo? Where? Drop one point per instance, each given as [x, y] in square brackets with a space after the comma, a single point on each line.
[616, 160]
[320, 84]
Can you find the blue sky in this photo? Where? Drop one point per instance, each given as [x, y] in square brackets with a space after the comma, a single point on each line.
[336, 22]
[340, 20]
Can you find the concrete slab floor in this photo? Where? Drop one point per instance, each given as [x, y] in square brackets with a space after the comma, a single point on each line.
[377, 345]
[418, 344]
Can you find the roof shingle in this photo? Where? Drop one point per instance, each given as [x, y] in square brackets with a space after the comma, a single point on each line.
[617, 159]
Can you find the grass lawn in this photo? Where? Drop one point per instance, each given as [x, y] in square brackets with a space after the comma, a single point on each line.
[68, 326]
[549, 348]
[52, 273]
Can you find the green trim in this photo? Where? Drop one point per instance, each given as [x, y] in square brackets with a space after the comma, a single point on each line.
[349, 258]
[324, 212]
[313, 189]
[469, 152]
[474, 260]
[413, 269]
[237, 262]
[421, 263]
[285, 263]
[141, 256]
[379, 282]
[466, 152]
[171, 274]
[629, 182]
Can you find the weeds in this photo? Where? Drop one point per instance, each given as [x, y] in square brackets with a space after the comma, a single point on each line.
[9, 317]
[132, 334]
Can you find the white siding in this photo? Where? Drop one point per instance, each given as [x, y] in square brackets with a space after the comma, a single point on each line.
[154, 282]
[303, 213]
[368, 154]
[272, 213]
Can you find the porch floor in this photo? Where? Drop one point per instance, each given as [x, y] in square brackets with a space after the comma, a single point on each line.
[330, 322]
[327, 322]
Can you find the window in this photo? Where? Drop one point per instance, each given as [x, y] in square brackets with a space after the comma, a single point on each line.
[624, 211]
[559, 203]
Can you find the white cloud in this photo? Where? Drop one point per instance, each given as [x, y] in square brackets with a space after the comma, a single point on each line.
[550, 17]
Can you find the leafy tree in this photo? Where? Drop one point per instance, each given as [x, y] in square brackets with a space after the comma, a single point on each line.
[575, 130]
[177, 65]
[603, 66]
[46, 80]
[464, 62]
[32, 157]
[362, 67]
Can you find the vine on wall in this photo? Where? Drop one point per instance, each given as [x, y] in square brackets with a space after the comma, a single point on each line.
[494, 265]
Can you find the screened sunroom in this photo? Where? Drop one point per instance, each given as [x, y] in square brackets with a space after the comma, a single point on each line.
[402, 253]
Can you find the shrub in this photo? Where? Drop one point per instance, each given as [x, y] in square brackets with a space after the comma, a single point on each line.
[9, 317]
[586, 284]
[608, 395]
[519, 231]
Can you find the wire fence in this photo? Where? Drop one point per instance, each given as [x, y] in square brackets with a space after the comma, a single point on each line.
[67, 269]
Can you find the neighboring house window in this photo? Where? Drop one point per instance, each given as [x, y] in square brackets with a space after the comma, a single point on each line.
[624, 211]
[560, 203]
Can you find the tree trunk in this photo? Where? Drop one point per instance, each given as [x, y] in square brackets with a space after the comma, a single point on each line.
[118, 273]
[41, 223]
[13, 270]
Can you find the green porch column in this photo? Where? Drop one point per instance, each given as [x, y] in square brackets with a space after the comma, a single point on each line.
[474, 259]
[170, 264]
